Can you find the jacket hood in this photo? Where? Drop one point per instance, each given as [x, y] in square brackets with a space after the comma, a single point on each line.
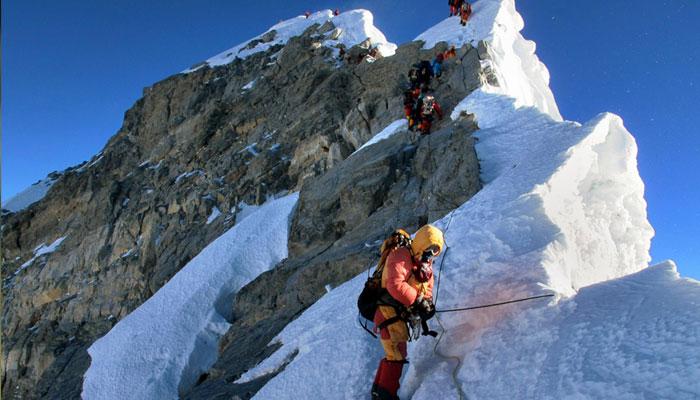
[427, 236]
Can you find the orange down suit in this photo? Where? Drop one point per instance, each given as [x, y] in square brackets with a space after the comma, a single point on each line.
[398, 279]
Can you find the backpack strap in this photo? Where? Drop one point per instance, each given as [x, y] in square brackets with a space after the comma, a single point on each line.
[386, 300]
[388, 322]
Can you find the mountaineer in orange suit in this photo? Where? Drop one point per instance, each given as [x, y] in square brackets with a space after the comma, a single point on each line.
[408, 279]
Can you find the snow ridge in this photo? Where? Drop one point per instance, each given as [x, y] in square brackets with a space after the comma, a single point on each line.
[518, 70]
[352, 27]
[172, 338]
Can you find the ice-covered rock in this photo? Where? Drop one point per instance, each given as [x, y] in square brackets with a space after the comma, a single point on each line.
[348, 29]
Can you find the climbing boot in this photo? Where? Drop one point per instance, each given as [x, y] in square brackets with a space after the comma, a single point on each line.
[387, 384]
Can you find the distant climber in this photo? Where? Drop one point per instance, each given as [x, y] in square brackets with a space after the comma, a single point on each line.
[426, 105]
[450, 53]
[413, 77]
[373, 54]
[465, 11]
[407, 284]
[455, 6]
[307, 14]
[336, 12]
[424, 72]
[410, 97]
[437, 65]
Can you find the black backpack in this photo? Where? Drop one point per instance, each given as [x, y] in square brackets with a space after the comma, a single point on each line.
[369, 297]
[426, 70]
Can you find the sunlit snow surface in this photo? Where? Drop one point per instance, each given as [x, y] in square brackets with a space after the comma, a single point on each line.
[520, 73]
[173, 337]
[355, 26]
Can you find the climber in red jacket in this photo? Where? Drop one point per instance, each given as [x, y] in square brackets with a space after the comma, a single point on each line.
[409, 106]
[455, 5]
[465, 11]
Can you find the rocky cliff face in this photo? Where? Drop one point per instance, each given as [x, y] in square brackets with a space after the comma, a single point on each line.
[191, 154]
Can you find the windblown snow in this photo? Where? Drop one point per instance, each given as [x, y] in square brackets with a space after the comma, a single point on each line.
[351, 28]
[173, 337]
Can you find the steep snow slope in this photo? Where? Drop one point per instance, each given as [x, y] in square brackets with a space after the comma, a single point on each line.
[353, 27]
[173, 337]
[520, 73]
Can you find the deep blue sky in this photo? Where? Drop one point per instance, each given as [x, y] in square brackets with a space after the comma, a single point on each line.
[71, 68]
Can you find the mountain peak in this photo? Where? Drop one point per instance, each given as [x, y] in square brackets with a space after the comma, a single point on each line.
[347, 29]
[516, 69]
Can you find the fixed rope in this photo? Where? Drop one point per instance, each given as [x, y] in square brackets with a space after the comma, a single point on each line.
[495, 304]
[443, 330]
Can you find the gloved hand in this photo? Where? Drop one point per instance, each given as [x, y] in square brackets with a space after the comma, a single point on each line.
[424, 307]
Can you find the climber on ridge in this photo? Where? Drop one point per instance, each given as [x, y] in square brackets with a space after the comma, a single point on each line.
[455, 6]
[449, 53]
[420, 74]
[413, 77]
[425, 72]
[407, 277]
[409, 104]
[464, 12]
[437, 65]
[426, 105]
